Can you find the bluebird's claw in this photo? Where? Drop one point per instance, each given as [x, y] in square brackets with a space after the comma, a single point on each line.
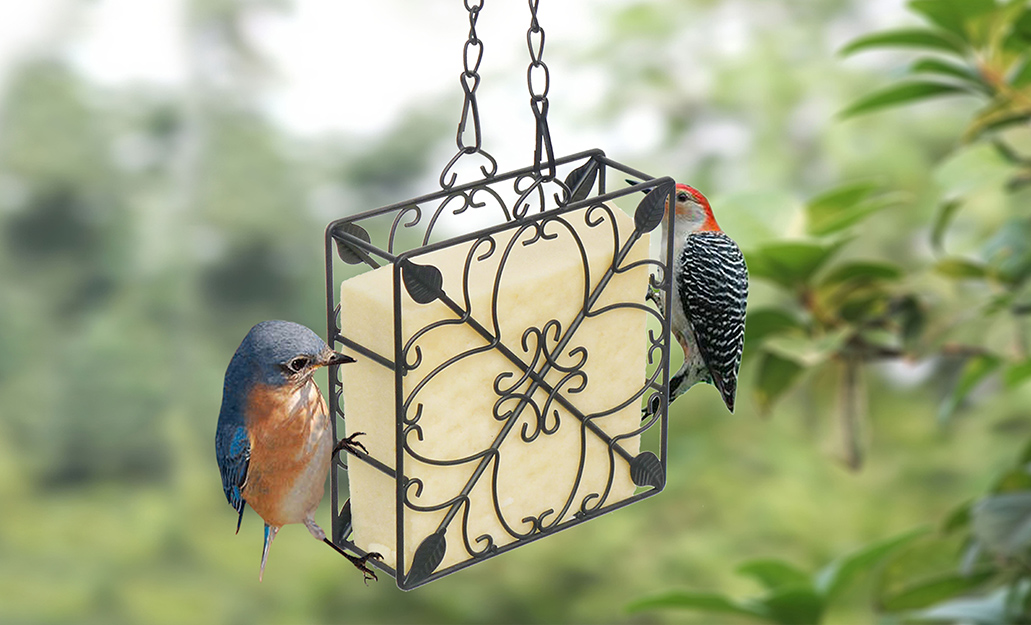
[358, 562]
[350, 445]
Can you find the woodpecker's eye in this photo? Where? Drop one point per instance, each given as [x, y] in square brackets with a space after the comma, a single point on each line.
[297, 364]
[682, 197]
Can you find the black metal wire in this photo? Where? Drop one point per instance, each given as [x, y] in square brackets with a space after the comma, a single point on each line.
[533, 354]
[539, 96]
[472, 56]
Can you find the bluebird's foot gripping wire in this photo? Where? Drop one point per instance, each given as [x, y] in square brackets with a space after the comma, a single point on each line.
[358, 562]
[350, 445]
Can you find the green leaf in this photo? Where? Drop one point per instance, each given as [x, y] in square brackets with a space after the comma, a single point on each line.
[958, 519]
[862, 271]
[935, 590]
[911, 317]
[1008, 154]
[942, 219]
[961, 268]
[790, 264]
[842, 571]
[906, 38]
[701, 601]
[884, 339]
[776, 376]
[1021, 76]
[974, 372]
[897, 95]
[1018, 374]
[971, 169]
[1008, 252]
[794, 606]
[844, 206]
[989, 610]
[1003, 522]
[827, 205]
[859, 305]
[941, 67]
[765, 322]
[775, 574]
[952, 15]
[1025, 453]
[806, 351]
[1000, 114]
[1015, 480]
[1021, 28]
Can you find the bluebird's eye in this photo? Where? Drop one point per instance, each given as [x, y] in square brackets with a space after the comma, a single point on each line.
[681, 197]
[297, 364]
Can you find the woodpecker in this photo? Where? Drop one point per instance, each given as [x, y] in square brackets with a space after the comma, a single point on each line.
[710, 290]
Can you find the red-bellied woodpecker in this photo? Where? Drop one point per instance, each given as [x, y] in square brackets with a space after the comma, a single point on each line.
[710, 290]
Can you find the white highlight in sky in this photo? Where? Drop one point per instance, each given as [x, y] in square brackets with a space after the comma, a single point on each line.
[24, 26]
[357, 67]
[133, 41]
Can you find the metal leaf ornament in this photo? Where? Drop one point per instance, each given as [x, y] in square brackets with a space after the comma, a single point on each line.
[423, 282]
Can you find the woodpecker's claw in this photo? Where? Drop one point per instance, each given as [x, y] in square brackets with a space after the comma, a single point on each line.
[350, 445]
[653, 406]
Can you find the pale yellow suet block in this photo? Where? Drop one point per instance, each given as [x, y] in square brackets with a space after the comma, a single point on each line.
[540, 282]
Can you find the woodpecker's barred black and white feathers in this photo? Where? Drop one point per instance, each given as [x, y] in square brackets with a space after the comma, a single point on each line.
[713, 285]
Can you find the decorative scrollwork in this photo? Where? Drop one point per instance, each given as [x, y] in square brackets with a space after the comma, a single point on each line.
[535, 189]
[461, 201]
[549, 370]
[413, 221]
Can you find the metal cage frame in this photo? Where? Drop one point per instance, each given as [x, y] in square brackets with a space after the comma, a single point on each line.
[348, 240]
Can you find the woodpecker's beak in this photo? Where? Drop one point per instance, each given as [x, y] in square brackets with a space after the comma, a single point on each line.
[634, 182]
[336, 358]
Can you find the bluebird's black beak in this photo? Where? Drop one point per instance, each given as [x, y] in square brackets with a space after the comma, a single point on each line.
[336, 358]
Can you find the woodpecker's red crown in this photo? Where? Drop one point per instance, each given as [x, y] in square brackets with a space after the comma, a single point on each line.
[692, 205]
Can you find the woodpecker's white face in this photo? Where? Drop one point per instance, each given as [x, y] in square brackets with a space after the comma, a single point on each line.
[692, 212]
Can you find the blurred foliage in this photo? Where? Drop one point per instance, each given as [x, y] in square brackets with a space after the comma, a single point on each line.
[848, 312]
[144, 229]
[868, 310]
[792, 596]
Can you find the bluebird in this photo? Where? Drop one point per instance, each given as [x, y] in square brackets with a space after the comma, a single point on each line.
[274, 443]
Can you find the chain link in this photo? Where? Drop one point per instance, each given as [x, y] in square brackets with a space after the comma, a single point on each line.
[539, 94]
[472, 55]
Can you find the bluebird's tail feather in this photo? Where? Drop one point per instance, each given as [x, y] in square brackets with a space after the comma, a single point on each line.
[270, 535]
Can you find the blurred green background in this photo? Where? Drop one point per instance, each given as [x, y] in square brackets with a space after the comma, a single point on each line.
[147, 221]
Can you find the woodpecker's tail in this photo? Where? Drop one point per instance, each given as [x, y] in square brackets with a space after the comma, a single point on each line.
[727, 389]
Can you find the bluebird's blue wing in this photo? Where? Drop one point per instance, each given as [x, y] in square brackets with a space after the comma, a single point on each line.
[233, 451]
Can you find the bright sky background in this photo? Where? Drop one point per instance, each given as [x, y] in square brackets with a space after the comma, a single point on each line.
[356, 66]
[347, 65]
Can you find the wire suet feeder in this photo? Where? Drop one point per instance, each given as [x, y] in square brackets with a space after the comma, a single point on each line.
[514, 358]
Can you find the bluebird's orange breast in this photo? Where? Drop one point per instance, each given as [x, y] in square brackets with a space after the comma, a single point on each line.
[291, 445]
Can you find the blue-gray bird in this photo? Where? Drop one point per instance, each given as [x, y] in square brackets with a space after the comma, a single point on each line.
[274, 442]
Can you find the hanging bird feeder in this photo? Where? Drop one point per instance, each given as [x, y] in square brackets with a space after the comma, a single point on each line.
[502, 370]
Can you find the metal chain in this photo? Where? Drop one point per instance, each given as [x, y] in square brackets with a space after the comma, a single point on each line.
[539, 97]
[472, 55]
